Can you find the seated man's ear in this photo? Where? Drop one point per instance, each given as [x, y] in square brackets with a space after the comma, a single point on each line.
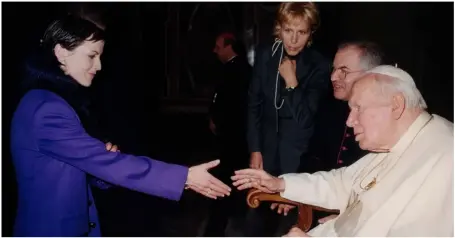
[398, 105]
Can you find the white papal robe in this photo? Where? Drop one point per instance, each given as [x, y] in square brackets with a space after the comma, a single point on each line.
[413, 194]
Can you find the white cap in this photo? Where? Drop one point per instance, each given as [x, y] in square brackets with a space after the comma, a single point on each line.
[413, 96]
[394, 72]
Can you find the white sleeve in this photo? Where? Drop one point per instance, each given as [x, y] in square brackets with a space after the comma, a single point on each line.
[328, 189]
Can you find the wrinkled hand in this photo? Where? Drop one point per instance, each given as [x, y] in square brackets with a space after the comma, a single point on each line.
[201, 181]
[112, 148]
[327, 218]
[257, 178]
[256, 160]
[296, 232]
[282, 208]
[287, 71]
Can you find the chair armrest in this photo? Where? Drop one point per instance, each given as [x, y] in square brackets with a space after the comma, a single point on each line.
[255, 197]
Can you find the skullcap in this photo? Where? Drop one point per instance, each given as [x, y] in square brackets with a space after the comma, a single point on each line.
[394, 72]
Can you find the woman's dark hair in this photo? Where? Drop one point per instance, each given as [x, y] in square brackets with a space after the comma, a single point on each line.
[70, 32]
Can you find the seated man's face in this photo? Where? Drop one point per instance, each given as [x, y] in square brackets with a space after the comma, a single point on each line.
[371, 115]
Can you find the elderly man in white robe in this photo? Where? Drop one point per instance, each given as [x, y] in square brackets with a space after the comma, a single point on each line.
[404, 187]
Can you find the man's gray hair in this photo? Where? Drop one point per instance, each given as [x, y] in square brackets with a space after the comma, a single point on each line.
[371, 54]
[400, 81]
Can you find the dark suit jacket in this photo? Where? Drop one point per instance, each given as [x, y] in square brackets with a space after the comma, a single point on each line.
[228, 112]
[228, 109]
[282, 136]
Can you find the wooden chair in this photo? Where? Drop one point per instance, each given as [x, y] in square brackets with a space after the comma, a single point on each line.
[255, 197]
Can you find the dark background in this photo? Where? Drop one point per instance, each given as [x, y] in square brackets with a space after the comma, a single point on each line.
[158, 76]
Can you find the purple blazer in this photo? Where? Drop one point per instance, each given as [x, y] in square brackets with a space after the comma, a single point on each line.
[53, 154]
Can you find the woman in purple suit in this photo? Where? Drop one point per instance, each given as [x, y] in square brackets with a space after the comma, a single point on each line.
[54, 150]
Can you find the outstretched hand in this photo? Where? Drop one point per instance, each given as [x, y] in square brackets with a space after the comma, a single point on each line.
[201, 181]
[257, 178]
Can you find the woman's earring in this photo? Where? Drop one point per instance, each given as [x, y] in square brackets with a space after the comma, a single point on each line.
[310, 42]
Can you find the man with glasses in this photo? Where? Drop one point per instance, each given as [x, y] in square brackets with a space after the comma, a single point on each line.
[333, 142]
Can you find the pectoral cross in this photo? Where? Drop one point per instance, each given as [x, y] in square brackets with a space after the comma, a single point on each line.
[370, 185]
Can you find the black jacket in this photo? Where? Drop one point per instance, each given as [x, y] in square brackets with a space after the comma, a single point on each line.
[228, 112]
[282, 136]
[228, 109]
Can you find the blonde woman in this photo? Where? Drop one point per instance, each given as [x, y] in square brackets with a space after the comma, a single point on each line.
[289, 78]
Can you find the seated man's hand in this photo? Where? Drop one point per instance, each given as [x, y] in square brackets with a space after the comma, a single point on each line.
[296, 232]
[282, 208]
[327, 218]
[201, 181]
[112, 148]
[257, 178]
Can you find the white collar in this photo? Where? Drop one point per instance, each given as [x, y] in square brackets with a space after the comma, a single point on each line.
[231, 58]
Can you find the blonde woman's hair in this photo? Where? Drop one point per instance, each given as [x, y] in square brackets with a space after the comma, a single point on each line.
[291, 10]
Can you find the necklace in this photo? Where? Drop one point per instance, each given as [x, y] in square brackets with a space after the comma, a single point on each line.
[374, 181]
[369, 185]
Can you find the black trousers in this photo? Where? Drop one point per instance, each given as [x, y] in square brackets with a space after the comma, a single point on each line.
[263, 222]
[233, 156]
[224, 209]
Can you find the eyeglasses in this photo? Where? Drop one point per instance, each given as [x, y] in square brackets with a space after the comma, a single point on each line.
[344, 71]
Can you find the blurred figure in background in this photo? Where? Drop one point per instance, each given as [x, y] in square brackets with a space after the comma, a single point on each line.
[228, 123]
